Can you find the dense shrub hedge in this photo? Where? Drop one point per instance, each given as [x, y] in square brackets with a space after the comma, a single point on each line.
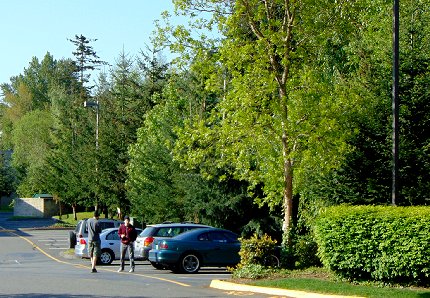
[387, 244]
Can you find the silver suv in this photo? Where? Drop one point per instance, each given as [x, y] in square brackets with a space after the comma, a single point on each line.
[81, 230]
[143, 243]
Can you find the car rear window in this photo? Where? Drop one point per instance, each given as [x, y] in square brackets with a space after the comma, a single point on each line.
[103, 225]
[106, 225]
[148, 231]
[78, 226]
[168, 232]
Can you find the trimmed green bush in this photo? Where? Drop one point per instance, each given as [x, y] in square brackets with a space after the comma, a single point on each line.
[256, 249]
[254, 253]
[387, 244]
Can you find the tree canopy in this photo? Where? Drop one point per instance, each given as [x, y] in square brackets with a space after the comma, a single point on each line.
[266, 112]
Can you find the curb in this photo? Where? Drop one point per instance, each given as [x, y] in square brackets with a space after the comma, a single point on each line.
[223, 285]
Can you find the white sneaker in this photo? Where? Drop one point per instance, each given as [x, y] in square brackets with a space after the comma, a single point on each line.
[120, 270]
[131, 270]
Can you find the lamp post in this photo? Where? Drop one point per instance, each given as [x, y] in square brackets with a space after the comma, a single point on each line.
[395, 105]
[95, 104]
[91, 104]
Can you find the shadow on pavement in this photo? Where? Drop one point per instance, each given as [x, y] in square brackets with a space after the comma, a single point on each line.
[8, 222]
[41, 295]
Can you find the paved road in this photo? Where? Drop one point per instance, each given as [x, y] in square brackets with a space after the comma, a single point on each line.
[33, 263]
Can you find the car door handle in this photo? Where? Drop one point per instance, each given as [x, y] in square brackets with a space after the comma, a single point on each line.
[110, 243]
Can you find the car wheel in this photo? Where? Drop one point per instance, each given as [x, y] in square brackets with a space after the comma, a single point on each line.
[158, 266]
[72, 239]
[189, 263]
[106, 257]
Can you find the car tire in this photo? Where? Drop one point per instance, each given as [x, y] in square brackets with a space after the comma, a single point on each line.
[106, 257]
[72, 239]
[158, 266]
[189, 263]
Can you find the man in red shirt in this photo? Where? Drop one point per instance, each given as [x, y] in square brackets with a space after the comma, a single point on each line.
[127, 233]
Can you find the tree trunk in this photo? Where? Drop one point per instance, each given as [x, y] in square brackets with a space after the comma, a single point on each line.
[288, 193]
[75, 216]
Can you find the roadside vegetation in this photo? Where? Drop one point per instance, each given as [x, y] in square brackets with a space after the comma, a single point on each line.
[68, 220]
[315, 282]
[271, 113]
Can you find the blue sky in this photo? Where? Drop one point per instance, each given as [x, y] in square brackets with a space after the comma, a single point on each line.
[33, 27]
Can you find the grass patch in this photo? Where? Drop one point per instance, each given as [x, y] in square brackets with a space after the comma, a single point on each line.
[67, 220]
[318, 280]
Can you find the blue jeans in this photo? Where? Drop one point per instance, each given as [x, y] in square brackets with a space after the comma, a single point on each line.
[130, 248]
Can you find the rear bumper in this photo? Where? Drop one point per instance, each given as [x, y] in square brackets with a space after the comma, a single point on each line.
[163, 257]
[141, 253]
[81, 251]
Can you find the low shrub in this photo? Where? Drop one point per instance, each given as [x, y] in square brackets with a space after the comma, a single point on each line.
[305, 252]
[254, 256]
[251, 271]
[256, 250]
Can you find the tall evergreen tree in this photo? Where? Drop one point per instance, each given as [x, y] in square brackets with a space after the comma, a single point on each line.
[86, 59]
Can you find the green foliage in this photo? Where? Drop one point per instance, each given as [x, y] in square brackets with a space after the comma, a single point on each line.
[70, 173]
[32, 142]
[252, 271]
[256, 249]
[388, 244]
[7, 177]
[305, 251]
[86, 58]
[253, 255]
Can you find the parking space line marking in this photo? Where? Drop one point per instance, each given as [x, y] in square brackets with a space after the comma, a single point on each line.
[41, 250]
[148, 276]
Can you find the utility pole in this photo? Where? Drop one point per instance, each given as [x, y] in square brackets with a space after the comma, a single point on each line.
[95, 104]
[395, 105]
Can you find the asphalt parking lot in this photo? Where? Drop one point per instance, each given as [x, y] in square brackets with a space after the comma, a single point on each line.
[39, 256]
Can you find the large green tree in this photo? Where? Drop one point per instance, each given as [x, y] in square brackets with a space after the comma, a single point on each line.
[26, 120]
[31, 138]
[133, 90]
[278, 118]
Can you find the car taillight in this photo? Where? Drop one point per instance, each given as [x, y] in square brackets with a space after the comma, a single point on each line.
[82, 241]
[163, 245]
[148, 241]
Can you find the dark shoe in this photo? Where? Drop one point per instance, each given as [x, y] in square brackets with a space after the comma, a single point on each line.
[93, 270]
